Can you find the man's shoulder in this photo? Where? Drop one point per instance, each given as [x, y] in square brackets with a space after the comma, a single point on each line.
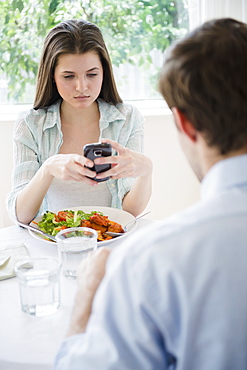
[202, 227]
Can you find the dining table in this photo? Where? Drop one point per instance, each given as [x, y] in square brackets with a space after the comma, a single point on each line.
[29, 342]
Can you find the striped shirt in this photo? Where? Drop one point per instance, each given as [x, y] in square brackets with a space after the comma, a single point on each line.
[38, 135]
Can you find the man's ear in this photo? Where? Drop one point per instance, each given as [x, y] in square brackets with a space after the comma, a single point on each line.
[184, 125]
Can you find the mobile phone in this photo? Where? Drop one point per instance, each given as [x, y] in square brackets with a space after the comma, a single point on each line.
[96, 150]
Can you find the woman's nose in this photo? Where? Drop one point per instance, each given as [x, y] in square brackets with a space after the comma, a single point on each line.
[81, 84]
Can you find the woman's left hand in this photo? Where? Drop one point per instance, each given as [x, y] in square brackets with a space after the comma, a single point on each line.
[127, 163]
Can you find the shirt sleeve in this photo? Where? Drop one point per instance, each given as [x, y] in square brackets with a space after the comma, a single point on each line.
[26, 164]
[122, 332]
[134, 140]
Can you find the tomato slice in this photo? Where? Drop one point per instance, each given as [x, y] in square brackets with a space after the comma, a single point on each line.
[63, 215]
[60, 228]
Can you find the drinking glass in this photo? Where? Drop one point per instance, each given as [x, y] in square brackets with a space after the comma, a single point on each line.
[74, 244]
[39, 285]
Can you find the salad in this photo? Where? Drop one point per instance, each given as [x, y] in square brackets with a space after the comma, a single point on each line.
[52, 222]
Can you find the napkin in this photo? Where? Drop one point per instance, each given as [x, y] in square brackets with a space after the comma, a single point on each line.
[9, 255]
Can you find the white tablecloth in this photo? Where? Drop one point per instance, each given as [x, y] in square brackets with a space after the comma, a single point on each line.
[27, 342]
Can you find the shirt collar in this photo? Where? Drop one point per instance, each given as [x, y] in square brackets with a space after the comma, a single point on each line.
[53, 116]
[108, 113]
[225, 174]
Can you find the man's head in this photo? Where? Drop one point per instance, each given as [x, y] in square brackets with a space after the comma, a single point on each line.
[205, 78]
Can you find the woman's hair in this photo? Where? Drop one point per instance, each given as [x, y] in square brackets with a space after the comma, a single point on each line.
[205, 77]
[72, 37]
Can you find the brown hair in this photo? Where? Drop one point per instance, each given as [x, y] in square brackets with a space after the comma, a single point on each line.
[205, 76]
[72, 37]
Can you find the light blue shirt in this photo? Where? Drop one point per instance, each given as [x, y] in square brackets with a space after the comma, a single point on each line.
[38, 135]
[175, 296]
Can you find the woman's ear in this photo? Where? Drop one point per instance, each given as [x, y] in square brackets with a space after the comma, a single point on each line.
[184, 125]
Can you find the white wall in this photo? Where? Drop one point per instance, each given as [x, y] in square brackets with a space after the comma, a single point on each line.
[174, 185]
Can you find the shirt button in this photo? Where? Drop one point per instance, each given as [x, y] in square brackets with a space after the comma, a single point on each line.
[113, 185]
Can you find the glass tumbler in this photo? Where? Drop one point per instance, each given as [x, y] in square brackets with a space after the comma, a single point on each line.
[74, 244]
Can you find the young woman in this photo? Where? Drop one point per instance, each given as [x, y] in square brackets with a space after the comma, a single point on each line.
[77, 103]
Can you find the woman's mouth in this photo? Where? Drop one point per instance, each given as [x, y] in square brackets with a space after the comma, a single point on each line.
[83, 97]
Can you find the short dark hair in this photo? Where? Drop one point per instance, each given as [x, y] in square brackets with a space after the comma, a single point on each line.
[72, 37]
[205, 77]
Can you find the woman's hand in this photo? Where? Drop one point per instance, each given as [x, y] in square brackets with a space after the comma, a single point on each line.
[70, 167]
[127, 163]
[63, 166]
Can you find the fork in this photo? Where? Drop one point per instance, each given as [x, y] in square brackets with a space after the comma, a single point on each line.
[113, 234]
[30, 227]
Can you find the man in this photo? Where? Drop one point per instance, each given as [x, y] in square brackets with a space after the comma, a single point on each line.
[175, 297]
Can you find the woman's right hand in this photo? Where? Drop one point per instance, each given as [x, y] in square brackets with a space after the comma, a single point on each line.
[70, 167]
[63, 166]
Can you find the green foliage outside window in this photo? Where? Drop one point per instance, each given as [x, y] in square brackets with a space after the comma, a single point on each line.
[131, 28]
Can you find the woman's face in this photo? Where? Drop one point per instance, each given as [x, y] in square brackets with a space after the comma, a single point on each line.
[79, 78]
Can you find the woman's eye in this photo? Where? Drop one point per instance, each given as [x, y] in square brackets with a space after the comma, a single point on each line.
[69, 76]
[92, 74]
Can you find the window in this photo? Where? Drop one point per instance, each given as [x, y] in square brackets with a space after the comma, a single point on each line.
[136, 33]
[203, 10]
